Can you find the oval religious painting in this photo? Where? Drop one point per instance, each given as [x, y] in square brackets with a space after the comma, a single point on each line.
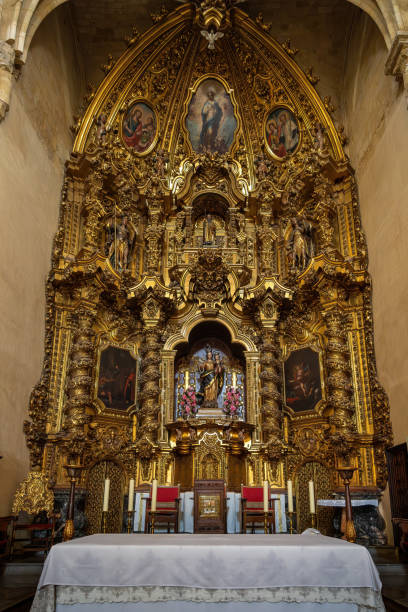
[281, 132]
[139, 127]
[210, 121]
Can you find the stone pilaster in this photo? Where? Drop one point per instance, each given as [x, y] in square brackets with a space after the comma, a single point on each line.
[7, 56]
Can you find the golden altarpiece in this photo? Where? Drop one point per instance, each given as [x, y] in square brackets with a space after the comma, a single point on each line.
[208, 306]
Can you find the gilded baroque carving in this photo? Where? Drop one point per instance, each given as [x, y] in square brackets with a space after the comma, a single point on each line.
[149, 249]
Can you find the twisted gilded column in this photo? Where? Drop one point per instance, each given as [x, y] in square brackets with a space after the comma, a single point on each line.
[150, 385]
[80, 385]
[339, 379]
[270, 379]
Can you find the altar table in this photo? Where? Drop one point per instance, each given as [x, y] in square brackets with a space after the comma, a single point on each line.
[152, 572]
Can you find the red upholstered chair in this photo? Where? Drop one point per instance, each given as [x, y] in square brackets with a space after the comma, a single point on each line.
[252, 510]
[37, 535]
[6, 535]
[167, 509]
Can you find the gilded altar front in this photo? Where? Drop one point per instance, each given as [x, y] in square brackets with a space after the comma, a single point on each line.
[209, 305]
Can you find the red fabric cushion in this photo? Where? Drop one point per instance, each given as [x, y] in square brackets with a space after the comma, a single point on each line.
[253, 494]
[166, 494]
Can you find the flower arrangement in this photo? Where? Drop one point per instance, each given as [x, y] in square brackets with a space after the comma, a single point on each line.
[232, 401]
[188, 403]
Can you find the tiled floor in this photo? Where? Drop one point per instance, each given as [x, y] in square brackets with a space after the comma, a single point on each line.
[18, 581]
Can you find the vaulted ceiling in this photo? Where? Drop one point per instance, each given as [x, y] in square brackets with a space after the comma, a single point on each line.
[320, 29]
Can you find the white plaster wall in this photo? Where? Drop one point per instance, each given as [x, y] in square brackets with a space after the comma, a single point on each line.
[376, 118]
[35, 141]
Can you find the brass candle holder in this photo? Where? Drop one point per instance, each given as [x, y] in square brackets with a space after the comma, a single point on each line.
[265, 522]
[313, 519]
[346, 474]
[104, 521]
[290, 514]
[74, 474]
[153, 513]
[129, 520]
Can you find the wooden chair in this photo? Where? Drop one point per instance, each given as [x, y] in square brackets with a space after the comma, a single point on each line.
[6, 535]
[40, 532]
[252, 510]
[167, 509]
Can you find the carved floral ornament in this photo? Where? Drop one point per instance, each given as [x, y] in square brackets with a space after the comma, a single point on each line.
[161, 239]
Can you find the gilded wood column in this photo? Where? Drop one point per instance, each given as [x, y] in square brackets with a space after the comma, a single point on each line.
[270, 379]
[339, 379]
[79, 389]
[150, 385]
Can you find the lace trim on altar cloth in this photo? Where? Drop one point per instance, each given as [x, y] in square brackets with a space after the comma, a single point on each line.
[46, 598]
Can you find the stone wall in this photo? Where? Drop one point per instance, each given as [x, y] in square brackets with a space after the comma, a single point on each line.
[35, 141]
[376, 118]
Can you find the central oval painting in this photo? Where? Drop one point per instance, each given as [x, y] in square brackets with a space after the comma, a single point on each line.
[210, 120]
[139, 127]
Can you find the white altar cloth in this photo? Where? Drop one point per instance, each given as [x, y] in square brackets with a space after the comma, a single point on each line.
[207, 569]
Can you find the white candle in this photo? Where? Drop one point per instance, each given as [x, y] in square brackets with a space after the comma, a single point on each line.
[290, 496]
[131, 494]
[311, 497]
[106, 495]
[154, 496]
[265, 495]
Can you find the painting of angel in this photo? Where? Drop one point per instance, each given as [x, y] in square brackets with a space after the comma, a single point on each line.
[210, 121]
[303, 387]
[139, 127]
[281, 132]
[117, 378]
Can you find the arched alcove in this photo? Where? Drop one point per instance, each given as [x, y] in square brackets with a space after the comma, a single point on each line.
[208, 369]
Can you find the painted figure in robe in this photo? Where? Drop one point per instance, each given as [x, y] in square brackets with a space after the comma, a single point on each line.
[211, 115]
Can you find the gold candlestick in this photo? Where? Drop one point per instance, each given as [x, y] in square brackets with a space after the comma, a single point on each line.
[153, 513]
[265, 522]
[290, 522]
[104, 521]
[129, 521]
[346, 474]
[313, 519]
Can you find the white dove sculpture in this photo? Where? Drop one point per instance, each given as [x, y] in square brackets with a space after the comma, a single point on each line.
[211, 37]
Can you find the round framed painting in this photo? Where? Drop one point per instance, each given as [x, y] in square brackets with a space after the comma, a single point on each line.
[282, 133]
[139, 127]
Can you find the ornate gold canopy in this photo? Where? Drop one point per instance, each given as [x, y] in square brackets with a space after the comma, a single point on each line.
[208, 199]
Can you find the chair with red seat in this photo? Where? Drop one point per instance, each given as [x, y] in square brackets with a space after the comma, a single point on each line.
[252, 510]
[167, 509]
[6, 535]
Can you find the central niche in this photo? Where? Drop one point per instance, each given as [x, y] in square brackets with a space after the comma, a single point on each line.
[210, 375]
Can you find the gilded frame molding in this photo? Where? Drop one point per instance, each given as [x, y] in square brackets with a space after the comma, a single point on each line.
[300, 130]
[132, 102]
[192, 91]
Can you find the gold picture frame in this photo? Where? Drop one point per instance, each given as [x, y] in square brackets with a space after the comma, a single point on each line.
[143, 104]
[274, 115]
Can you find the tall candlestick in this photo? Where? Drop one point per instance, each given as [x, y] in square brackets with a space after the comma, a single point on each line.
[154, 495]
[265, 495]
[311, 497]
[106, 495]
[131, 494]
[290, 496]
